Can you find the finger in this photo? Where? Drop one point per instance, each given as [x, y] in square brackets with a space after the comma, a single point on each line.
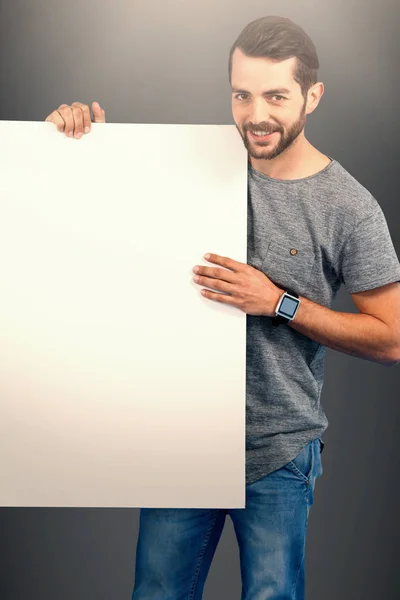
[78, 121]
[87, 122]
[66, 113]
[99, 114]
[223, 298]
[224, 261]
[57, 119]
[215, 284]
[216, 273]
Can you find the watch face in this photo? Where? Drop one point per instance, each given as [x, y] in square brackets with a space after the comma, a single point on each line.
[288, 307]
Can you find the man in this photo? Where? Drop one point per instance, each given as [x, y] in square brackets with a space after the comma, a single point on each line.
[311, 228]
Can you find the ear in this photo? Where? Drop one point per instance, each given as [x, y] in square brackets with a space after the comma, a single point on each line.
[314, 95]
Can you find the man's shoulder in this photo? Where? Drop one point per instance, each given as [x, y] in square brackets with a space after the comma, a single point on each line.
[345, 193]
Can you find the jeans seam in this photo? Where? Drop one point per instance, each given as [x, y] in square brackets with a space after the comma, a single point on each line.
[201, 556]
[301, 563]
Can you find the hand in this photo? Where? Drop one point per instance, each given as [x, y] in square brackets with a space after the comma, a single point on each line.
[75, 119]
[245, 287]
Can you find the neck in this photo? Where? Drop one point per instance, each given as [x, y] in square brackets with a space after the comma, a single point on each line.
[300, 159]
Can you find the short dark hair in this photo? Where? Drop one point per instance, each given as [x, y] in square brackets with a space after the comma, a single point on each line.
[278, 38]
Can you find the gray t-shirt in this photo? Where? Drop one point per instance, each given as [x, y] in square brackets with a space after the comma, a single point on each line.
[341, 237]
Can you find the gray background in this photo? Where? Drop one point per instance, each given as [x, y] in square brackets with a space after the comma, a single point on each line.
[151, 61]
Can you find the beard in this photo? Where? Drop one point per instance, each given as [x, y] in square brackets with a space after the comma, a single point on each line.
[261, 150]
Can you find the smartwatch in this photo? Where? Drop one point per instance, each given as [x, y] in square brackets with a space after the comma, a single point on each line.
[286, 308]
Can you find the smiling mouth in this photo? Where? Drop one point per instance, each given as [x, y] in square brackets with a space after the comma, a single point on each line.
[261, 137]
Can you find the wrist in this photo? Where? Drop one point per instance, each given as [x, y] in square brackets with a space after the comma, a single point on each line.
[276, 297]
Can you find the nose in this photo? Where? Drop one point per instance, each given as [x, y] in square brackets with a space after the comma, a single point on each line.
[259, 112]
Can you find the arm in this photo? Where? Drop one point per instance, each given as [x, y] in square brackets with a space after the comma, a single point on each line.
[372, 334]
[366, 261]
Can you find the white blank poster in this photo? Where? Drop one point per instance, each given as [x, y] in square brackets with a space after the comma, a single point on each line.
[120, 385]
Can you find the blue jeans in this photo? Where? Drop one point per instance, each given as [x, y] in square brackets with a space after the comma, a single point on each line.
[176, 546]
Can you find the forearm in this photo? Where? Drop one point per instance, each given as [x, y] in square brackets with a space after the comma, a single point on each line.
[357, 334]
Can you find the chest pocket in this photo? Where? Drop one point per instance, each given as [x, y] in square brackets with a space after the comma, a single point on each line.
[289, 264]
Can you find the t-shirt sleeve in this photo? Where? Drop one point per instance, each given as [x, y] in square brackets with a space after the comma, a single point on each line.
[368, 258]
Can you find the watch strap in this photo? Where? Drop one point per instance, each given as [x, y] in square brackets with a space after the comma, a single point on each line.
[279, 320]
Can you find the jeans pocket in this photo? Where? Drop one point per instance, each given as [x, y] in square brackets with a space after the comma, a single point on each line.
[302, 464]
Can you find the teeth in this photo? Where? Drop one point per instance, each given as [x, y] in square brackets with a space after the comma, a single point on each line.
[260, 133]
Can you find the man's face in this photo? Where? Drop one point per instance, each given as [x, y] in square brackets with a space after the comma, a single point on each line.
[266, 98]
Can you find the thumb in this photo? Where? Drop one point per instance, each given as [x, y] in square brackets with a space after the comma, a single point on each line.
[99, 115]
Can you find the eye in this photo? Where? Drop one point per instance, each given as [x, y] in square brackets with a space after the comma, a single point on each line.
[237, 95]
[278, 97]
